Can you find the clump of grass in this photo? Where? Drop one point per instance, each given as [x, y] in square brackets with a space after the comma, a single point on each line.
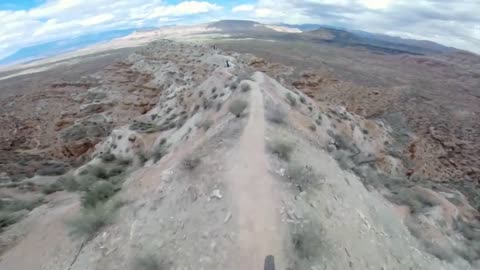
[282, 148]
[190, 163]
[303, 176]
[148, 261]
[237, 107]
[276, 114]
[291, 99]
[91, 220]
[100, 192]
[245, 87]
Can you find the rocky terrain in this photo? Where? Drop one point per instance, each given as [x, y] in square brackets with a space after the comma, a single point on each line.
[180, 155]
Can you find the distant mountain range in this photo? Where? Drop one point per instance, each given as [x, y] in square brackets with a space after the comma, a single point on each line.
[62, 46]
[316, 32]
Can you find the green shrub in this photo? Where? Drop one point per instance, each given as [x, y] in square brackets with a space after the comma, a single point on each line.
[91, 220]
[100, 192]
[281, 148]
[237, 107]
[291, 99]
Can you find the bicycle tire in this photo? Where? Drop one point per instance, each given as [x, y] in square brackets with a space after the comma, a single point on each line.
[269, 263]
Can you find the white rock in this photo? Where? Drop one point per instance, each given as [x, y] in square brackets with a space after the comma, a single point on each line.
[216, 194]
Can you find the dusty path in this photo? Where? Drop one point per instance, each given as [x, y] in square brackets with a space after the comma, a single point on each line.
[254, 194]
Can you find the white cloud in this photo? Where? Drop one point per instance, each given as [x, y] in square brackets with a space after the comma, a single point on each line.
[60, 19]
[184, 8]
[452, 23]
[243, 8]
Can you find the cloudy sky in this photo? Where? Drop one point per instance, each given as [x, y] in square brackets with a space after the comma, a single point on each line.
[31, 22]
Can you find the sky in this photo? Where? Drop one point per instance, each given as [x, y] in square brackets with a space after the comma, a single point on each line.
[25, 23]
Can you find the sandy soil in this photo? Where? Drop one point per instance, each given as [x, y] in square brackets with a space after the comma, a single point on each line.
[255, 193]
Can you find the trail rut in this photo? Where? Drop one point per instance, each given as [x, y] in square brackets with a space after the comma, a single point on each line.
[255, 193]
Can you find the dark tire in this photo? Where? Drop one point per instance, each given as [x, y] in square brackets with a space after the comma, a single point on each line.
[269, 263]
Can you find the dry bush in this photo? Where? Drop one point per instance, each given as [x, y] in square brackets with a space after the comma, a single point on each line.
[303, 100]
[107, 157]
[13, 210]
[52, 169]
[276, 114]
[190, 163]
[206, 124]
[245, 87]
[308, 241]
[291, 99]
[159, 152]
[303, 176]
[52, 188]
[100, 192]
[148, 261]
[237, 107]
[91, 220]
[281, 148]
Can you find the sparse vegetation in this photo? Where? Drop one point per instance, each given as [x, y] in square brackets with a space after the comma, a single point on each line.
[148, 261]
[237, 107]
[100, 192]
[144, 127]
[291, 99]
[313, 127]
[52, 188]
[206, 124]
[308, 241]
[52, 169]
[303, 100]
[276, 114]
[13, 210]
[282, 148]
[107, 157]
[190, 163]
[245, 87]
[234, 86]
[159, 152]
[91, 220]
[302, 176]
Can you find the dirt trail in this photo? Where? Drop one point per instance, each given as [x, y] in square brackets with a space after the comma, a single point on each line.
[254, 193]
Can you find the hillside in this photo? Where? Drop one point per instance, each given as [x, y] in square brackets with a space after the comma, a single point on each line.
[205, 151]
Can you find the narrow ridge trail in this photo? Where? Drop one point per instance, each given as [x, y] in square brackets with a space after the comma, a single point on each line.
[254, 194]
